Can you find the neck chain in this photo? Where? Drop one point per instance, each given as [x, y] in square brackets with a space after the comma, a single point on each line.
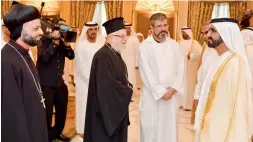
[36, 84]
[119, 60]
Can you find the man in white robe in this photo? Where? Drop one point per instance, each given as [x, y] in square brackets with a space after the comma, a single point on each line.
[89, 43]
[191, 50]
[224, 112]
[140, 37]
[247, 33]
[138, 77]
[207, 59]
[130, 55]
[161, 68]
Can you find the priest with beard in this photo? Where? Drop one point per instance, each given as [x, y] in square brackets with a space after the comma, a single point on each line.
[109, 93]
[23, 109]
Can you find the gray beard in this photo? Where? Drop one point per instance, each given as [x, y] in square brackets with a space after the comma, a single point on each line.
[116, 49]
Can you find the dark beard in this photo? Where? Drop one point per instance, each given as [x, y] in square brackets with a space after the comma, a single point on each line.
[214, 43]
[30, 40]
[162, 35]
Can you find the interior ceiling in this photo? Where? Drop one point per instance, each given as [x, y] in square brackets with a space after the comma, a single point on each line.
[50, 5]
[158, 5]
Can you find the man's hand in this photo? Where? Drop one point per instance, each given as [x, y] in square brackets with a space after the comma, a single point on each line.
[55, 34]
[171, 91]
[195, 102]
[66, 43]
[188, 56]
[168, 95]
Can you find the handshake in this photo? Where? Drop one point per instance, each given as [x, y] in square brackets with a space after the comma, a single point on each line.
[168, 95]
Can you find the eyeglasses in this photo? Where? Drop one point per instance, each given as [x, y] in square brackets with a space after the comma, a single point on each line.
[121, 36]
[160, 26]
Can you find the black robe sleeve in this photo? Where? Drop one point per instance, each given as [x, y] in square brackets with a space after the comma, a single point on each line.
[113, 95]
[69, 52]
[14, 122]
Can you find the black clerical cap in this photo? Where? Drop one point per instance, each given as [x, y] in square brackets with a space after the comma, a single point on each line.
[218, 20]
[17, 16]
[114, 25]
[15, 2]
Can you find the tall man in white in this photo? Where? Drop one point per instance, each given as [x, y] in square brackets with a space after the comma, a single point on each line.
[191, 50]
[89, 43]
[130, 54]
[161, 68]
[224, 112]
[207, 59]
[247, 33]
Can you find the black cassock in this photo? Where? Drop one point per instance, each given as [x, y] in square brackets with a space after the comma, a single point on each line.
[109, 95]
[23, 115]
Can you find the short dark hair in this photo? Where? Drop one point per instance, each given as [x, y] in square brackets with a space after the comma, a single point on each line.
[245, 19]
[157, 16]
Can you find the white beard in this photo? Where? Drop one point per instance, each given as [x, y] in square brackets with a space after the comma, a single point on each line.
[117, 48]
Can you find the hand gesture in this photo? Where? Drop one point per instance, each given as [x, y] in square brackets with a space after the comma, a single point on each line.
[195, 102]
[168, 95]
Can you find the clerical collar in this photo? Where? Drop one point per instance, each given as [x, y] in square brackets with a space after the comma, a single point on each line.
[19, 47]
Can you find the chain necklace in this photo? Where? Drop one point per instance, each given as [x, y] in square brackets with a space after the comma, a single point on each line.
[126, 75]
[36, 84]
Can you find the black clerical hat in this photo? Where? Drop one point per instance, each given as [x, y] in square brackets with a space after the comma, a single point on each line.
[114, 25]
[17, 16]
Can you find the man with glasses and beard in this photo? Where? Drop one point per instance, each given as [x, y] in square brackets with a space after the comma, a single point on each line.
[109, 94]
[50, 65]
[225, 109]
[161, 68]
[22, 105]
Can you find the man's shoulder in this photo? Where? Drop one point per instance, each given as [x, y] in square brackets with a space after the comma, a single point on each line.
[103, 53]
[7, 54]
[234, 61]
[9, 59]
[172, 41]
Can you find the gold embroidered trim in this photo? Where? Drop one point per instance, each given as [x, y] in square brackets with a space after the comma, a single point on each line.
[212, 89]
[233, 110]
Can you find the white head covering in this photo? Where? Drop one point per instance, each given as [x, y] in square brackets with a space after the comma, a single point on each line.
[132, 29]
[231, 35]
[140, 34]
[88, 25]
[188, 32]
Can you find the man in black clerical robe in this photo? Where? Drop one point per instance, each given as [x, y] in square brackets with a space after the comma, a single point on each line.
[23, 116]
[109, 94]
